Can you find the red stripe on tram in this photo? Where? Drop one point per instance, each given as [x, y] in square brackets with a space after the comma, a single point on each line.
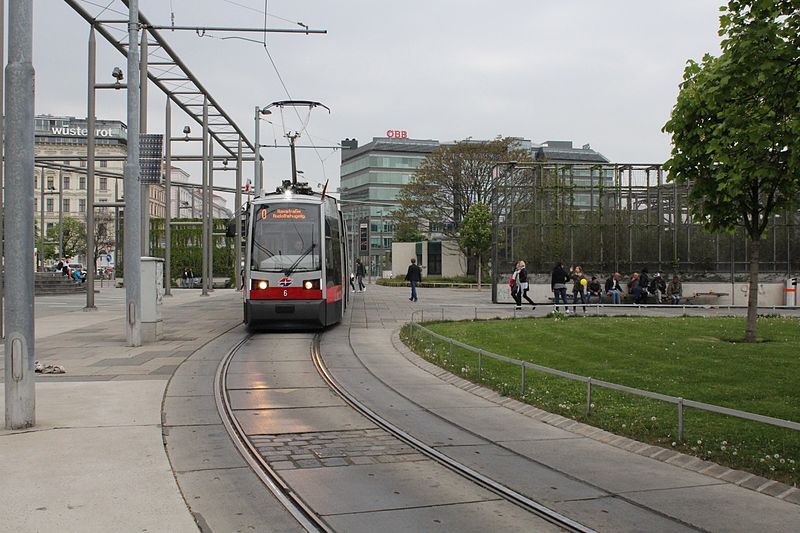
[285, 293]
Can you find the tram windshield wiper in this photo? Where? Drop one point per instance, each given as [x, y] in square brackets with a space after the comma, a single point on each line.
[292, 268]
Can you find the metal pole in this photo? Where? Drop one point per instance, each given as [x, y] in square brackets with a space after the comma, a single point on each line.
[40, 255]
[60, 213]
[257, 161]
[132, 191]
[210, 233]
[292, 139]
[20, 393]
[168, 200]
[2, 114]
[237, 256]
[204, 203]
[91, 258]
[143, 129]
[495, 221]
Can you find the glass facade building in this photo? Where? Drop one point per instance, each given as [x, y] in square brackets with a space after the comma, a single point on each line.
[371, 178]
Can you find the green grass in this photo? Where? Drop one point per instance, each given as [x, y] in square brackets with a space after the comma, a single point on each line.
[691, 357]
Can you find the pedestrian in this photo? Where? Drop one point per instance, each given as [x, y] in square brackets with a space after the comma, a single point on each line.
[523, 281]
[635, 287]
[674, 290]
[516, 286]
[191, 278]
[558, 283]
[414, 276]
[578, 287]
[352, 282]
[613, 288]
[360, 273]
[60, 266]
[185, 277]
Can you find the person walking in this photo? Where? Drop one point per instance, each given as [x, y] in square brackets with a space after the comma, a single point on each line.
[352, 282]
[558, 283]
[516, 286]
[185, 277]
[360, 273]
[413, 276]
[523, 282]
[674, 290]
[191, 278]
[578, 287]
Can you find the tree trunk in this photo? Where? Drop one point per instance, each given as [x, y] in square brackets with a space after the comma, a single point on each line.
[479, 271]
[752, 298]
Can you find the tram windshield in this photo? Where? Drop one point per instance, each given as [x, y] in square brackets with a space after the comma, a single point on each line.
[286, 238]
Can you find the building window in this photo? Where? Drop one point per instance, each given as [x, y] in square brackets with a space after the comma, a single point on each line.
[65, 205]
[435, 258]
[51, 182]
[50, 225]
[83, 163]
[82, 183]
[103, 163]
[103, 209]
[66, 182]
[103, 184]
[49, 205]
[81, 205]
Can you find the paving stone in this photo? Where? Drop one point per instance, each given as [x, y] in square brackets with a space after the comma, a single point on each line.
[775, 489]
[754, 482]
[308, 463]
[335, 461]
[283, 465]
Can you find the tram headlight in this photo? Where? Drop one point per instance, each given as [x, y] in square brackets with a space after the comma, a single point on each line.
[260, 284]
[311, 284]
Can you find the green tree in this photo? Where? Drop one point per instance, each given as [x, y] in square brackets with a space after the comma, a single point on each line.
[406, 227]
[736, 126]
[454, 177]
[475, 235]
[74, 238]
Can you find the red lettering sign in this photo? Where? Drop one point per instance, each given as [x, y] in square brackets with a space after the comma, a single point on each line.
[397, 134]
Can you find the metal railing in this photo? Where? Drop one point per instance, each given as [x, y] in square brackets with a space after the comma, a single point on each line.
[681, 403]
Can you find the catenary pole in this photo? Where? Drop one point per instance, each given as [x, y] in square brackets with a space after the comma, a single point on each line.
[237, 267]
[133, 202]
[168, 199]
[204, 202]
[210, 233]
[91, 258]
[20, 392]
[2, 114]
[257, 159]
[143, 129]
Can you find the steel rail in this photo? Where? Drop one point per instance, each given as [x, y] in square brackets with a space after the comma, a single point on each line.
[504, 492]
[282, 492]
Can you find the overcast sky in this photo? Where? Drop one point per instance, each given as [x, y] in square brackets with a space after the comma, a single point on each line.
[599, 72]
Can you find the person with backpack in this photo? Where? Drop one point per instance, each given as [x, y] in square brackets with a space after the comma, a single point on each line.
[523, 282]
[516, 287]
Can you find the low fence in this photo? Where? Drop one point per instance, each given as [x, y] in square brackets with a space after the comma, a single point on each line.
[681, 403]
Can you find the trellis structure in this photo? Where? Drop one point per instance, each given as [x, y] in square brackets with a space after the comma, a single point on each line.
[614, 217]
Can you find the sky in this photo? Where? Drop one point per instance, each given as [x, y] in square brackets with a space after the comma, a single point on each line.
[599, 73]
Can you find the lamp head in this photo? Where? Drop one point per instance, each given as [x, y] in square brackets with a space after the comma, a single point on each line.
[117, 74]
[186, 131]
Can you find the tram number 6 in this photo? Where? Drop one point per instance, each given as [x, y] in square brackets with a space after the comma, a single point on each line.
[285, 293]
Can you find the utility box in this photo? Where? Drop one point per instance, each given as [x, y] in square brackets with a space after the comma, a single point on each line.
[152, 296]
[790, 292]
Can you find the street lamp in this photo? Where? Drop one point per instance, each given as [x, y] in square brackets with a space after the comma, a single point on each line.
[257, 170]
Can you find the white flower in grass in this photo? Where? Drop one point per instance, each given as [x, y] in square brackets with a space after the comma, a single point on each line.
[699, 442]
[673, 444]
[723, 448]
[772, 469]
[762, 460]
[724, 442]
[624, 425]
[776, 456]
[653, 419]
[735, 452]
[791, 461]
[783, 461]
[591, 405]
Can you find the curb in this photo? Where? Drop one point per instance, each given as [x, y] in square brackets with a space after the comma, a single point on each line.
[743, 479]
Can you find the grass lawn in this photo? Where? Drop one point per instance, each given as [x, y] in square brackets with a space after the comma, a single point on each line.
[691, 357]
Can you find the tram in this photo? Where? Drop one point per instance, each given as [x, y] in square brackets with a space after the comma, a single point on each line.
[295, 268]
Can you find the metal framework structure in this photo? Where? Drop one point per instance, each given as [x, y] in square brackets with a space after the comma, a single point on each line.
[621, 218]
[173, 77]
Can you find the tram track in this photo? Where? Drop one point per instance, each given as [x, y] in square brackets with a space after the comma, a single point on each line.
[293, 501]
[259, 465]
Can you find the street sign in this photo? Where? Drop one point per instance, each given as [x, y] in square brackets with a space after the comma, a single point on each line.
[363, 237]
[150, 149]
[108, 258]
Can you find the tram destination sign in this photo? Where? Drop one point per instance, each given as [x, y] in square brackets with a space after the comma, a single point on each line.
[150, 151]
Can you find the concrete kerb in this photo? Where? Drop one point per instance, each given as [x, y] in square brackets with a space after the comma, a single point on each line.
[772, 488]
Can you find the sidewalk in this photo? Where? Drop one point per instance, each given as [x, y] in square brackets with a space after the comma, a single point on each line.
[95, 460]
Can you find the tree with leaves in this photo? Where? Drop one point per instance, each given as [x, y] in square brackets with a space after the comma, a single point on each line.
[74, 238]
[406, 227]
[454, 177]
[475, 234]
[736, 126]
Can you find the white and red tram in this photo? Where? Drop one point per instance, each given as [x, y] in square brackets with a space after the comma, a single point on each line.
[295, 269]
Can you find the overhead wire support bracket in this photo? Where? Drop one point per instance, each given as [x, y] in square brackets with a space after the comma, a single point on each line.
[205, 29]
